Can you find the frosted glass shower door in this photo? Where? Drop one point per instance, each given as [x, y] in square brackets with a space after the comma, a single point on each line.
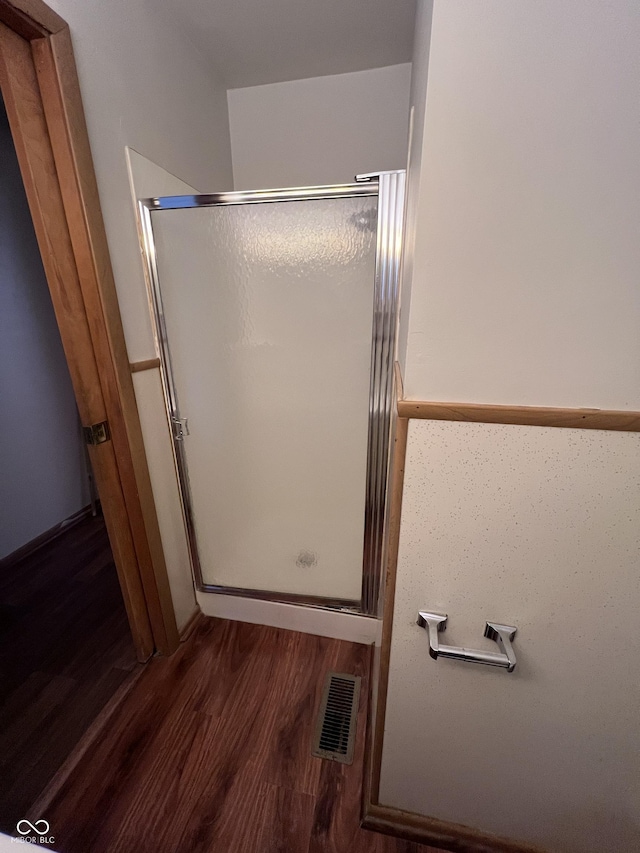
[268, 320]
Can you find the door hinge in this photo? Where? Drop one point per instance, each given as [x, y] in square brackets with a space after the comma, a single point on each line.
[180, 428]
[97, 433]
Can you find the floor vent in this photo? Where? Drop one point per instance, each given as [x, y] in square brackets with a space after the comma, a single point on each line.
[336, 726]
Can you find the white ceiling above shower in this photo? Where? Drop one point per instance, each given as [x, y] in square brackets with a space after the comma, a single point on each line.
[251, 42]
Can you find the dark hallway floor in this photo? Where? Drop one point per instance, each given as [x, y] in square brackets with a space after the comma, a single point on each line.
[210, 751]
[65, 649]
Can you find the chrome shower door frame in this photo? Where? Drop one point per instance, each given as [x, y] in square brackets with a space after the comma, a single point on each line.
[388, 187]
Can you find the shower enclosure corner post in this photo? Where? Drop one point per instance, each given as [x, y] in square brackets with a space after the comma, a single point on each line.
[391, 193]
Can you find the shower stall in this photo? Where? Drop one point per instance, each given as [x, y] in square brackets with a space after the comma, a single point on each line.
[276, 315]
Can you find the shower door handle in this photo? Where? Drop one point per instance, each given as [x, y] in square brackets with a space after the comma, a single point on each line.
[180, 428]
[435, 623]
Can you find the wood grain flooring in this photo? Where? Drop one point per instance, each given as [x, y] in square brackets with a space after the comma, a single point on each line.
[65, 649]
[211, 751]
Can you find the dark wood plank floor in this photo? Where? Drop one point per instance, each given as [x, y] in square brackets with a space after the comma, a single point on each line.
[210, 751]
[65, 649]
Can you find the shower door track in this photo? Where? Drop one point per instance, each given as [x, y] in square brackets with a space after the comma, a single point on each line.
[388, 187]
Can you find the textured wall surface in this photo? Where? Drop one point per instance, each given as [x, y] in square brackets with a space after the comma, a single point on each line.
[537, 528]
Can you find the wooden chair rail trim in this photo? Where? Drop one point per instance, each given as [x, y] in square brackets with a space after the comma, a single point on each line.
[439, 833]
[625, 421]
[147, 364]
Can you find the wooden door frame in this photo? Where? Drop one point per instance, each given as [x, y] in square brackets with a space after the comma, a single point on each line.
[39, 83]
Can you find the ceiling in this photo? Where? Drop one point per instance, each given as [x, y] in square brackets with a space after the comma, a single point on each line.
[251, 42]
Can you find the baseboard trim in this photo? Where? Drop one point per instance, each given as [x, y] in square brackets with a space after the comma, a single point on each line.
[309, 620]
[48, 536]
[439, 833]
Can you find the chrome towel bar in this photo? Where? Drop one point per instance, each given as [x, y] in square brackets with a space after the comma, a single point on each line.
[434, 623]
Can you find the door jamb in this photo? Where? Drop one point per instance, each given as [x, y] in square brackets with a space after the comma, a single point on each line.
[40, 86]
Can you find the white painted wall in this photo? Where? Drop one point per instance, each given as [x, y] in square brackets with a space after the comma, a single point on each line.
[417, 110]
[44, 479]
[526, 268]
[321, 130]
